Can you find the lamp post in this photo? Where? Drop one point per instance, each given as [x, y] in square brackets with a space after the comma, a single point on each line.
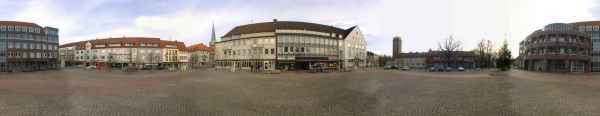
[254, 57]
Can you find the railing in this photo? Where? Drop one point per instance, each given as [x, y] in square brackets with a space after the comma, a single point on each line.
[559, 44]
[559, 56]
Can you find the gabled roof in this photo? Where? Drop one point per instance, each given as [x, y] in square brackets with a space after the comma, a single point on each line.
[199, 47]
[350, 29]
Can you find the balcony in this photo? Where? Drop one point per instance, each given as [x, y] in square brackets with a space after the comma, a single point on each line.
[557, 57]
[560, 44]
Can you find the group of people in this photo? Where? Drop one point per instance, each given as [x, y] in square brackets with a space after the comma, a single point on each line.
[256, 68]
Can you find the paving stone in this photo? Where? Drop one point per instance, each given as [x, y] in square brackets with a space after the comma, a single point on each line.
[361, 93]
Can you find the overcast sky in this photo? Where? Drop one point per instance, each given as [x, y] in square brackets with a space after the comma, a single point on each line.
[421, 23]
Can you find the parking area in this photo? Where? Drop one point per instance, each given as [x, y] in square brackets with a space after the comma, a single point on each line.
[75, 92]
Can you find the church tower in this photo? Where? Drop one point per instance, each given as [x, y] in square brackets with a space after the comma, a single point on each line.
[213, 37]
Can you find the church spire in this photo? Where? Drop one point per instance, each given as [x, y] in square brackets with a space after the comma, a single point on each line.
[213, 37]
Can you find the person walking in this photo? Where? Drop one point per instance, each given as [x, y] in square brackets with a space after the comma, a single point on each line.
[258, 67]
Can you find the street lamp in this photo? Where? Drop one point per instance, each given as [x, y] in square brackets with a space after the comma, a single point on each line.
[254, 57]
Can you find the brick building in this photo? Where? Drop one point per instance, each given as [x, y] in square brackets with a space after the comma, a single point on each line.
[558, 47]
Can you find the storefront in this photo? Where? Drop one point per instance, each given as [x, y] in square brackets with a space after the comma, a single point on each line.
[308, 63]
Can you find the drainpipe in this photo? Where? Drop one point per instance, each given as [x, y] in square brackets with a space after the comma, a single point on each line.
[275, 62]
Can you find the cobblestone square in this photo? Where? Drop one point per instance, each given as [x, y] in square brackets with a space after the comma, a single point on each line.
[361, 93]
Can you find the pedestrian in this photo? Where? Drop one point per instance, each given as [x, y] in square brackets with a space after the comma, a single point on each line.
[258, 67]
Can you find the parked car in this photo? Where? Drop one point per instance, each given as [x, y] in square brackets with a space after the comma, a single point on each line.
[91, 67]
[319, 67]
[390, 67]
[387, 67]
[461, 69]
[150, 67]
[436, 69]
[405, 68]
[449, 69]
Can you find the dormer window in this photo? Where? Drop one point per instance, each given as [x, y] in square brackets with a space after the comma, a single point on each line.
[171, 46]
[114, 45]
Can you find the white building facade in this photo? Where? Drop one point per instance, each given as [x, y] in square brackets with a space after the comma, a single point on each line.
[287, 45]
[133, 52]
[591, 28]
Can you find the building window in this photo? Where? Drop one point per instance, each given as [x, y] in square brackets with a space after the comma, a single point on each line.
[285, 49]
[18, 45]
[266, 51]
[171, 46]
[272, 50]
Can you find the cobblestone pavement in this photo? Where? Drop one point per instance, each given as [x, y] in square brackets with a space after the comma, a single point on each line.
[363, 93]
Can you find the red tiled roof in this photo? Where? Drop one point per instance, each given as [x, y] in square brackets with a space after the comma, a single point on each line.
[19, 23]
[136, 41]
[200, 47]
[586, 23]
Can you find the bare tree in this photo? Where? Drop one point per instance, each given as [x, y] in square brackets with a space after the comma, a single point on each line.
[448, 48]
[485, 53]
